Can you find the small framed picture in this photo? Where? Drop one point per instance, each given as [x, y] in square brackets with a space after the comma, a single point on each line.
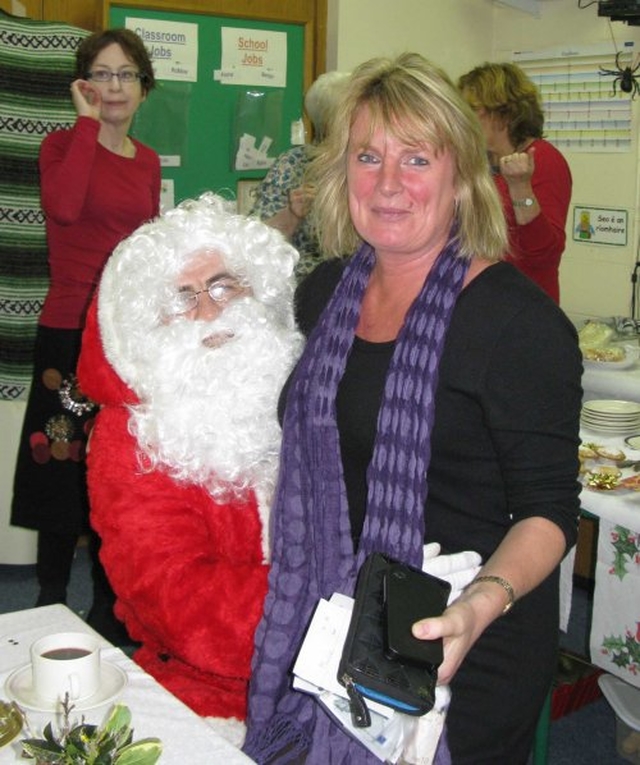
[245, 194]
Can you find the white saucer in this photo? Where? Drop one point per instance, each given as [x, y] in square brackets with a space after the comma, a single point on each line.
[18, 687]
[613, 407]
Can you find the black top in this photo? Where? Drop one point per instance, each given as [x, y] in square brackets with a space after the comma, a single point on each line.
[505, 438]
[504, 447]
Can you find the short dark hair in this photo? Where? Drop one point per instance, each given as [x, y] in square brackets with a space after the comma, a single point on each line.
[132, 46]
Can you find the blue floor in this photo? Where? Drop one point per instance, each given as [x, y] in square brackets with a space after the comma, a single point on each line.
[584, 737]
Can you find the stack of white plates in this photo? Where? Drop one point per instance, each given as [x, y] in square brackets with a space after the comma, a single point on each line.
[611, 416]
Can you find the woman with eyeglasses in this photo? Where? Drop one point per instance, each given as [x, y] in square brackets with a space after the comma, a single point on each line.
[97, 186]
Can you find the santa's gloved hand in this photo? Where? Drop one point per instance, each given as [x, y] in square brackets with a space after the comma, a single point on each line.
[422, 734]
[443, 698]
[459, 569]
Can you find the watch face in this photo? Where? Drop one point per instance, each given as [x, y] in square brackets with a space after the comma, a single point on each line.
[526, 202]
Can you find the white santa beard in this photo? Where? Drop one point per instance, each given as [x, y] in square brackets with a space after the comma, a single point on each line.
[210, 413]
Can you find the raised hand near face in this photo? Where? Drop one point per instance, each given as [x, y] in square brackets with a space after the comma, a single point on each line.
[518, 167]
[86, 99]
[301, 199]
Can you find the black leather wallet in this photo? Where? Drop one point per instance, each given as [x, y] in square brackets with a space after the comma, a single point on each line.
[365, 670]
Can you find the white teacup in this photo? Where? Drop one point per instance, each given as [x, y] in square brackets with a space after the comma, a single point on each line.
[66, 662]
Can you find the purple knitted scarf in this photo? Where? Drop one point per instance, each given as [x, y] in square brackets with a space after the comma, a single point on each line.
[312, 548]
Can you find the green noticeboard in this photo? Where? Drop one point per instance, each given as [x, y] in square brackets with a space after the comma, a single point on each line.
[227, 93]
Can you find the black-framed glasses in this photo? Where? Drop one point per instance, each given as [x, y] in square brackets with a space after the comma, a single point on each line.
[126, 76]
[221, 292]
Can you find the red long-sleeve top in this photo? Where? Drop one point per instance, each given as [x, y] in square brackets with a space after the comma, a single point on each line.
[92, 199]
[536, 247]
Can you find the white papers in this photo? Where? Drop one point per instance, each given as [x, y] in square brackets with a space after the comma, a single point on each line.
[384, 737]
[319, 656]
[316, 672]
[252, 157]
[316, 668]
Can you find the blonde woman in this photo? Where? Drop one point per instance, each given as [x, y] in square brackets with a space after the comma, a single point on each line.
[428, 406]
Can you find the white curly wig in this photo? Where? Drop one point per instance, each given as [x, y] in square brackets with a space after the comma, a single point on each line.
[205, 414]
[140, 277]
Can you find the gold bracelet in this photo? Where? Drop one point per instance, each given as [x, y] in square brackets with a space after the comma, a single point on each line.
[506, 586]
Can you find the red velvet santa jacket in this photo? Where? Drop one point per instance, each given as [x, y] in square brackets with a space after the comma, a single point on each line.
[188, 572]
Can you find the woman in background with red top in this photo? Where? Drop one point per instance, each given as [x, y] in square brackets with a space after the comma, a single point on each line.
[532, 176]
[97, 186]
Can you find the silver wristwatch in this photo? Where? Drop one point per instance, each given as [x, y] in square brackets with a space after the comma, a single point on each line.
[526, 202]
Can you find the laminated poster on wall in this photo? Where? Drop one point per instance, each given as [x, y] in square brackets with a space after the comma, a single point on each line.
[172, 46]
[600, 225]
[255, 57]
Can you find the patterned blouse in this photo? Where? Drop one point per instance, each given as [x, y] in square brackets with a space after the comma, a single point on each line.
[287, 173]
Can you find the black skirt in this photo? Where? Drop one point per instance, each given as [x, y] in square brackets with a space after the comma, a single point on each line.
[50, 492]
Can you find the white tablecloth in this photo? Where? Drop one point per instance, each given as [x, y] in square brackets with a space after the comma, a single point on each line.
[615, 627]
[186, 737]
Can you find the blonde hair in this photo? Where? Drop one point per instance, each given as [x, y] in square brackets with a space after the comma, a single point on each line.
[417, 103]
[506, 91]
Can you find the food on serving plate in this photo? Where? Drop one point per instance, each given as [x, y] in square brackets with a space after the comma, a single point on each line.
[605, 353]
[592, 451]
[631, 482]
[633, 464]
[588, 451]
[607, 470]
[609, 453]
[594, 334]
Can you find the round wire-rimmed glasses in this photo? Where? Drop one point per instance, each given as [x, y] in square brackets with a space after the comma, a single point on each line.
[221, 292]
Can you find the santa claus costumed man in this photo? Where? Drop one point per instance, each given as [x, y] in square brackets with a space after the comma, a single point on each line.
[187, 346]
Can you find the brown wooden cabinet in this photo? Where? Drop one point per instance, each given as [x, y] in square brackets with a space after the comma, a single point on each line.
[86, 15]
[585, 562]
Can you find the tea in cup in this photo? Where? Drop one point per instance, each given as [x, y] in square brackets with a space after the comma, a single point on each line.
[66, 662]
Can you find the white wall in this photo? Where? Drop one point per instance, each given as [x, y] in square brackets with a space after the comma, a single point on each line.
[455, 34]
[459, 34]
[17, 545]
[594, 280]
